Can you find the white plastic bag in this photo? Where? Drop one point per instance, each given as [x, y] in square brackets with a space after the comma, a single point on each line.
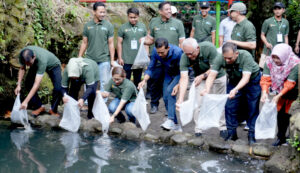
[266, 122]
[71, 115]
[188, 107]
[141, 60]
[101, 112]
[19, 116]
[139, 110]
[211, 110]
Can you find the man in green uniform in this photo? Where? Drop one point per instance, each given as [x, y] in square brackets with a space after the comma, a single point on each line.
[77, 72]
[98, 42]
[204, 25]
[274, 30]
[244, 77]
[200, 56]
[129, 35]
[244, 32]
[162, 27]
[40, 61]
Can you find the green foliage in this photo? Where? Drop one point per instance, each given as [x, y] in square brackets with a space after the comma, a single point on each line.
[295, 143]
[45, 89]
[1, 89]
[293, 15]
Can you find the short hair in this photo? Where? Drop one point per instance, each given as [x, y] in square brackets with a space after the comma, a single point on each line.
[26, 55]
[160, 42]
[162, 4]
[119, 70]
[229, 46]
[98, 4]
[190, 41]
[133, 10]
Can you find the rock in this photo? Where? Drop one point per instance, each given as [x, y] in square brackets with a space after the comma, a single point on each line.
[91, 125]
[179, 139]
[48, 120]
[262, 150]
[196, 142]
[217, 144]
[133, 134]
[115, 131]
[240, 148]
[128, 125]
[151, 137]
[165, 136]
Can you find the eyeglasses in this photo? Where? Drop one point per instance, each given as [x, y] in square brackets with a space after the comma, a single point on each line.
[191, 53]
[117, 79]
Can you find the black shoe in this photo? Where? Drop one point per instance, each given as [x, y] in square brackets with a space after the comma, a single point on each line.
[279, 142]
[153, 110]
[148, 96]
[251, 140]
[223, 134]
[120, 118]
[198, 134]
[232, 137]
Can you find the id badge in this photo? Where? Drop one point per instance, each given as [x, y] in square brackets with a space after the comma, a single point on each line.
[279, 38]
[134, 44]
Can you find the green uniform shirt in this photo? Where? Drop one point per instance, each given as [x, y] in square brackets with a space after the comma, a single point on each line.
[271, 27]
[244, 31]
[172, 30]
[131, 35]
[126, 91]
[45, 60]
[243, 64]
[90, 73]
[203, 27]
[98, 35]
[204, 61]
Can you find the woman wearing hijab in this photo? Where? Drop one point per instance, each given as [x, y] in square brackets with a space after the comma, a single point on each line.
[279, 79]
[77, 72]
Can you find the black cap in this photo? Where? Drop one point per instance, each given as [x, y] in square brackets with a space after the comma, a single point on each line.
[279, 4]
[204, 4]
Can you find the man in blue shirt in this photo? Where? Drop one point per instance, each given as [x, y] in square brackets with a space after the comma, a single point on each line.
[169, 56]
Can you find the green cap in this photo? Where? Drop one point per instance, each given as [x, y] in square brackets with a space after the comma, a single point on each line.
[239, 6]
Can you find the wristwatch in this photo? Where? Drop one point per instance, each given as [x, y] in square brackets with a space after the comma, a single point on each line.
[204, 75]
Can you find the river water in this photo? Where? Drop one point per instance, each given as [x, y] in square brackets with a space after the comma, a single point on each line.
[59, 151]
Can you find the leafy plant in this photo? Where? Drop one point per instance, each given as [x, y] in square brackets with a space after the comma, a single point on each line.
[295, 143]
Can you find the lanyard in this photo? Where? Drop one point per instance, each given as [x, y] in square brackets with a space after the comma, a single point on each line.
[279, 26]
[133, 29]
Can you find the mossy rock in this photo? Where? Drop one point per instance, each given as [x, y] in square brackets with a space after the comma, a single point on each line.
[19, 14]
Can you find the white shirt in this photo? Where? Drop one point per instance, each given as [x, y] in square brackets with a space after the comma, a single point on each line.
[226, 28]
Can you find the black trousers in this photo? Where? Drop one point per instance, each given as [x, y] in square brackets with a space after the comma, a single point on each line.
[155, 85]
[283, 122]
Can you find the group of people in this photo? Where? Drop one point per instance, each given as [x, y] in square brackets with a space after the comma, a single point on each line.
[232, 70]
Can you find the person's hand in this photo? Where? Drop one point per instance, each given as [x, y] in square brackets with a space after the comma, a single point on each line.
[18, 89]
[142, 39]
[232, 93]
[276, 98]
[178, 103]
[141, 84]
[297, 49]
[112, 119]
[80, 103]
[264, 97]
[121, 61]
[198, 80]
[112, 63]
[104, 94]
[204, 92]
[65, 100]
[269, 46]
[175, 90]
[24, 105]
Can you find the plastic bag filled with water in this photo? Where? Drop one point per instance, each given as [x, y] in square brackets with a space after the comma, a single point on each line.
[141, 60]
[71, 115]
[211, 110]
[188, 107]
[139, 110]
[266, 122]
[18, 115]
[101, 112]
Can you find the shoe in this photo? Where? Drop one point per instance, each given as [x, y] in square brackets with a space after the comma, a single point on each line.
[168, 125]
[51, 112]
[251, 140]
[120, 118]
[232, 137]
[246, 128]
[198, 134]
[166, 114]
[148, 96]
[223, 134]
[84, 108]
[177, 128]
[279, 142]
[38, 111]
[153, 109]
